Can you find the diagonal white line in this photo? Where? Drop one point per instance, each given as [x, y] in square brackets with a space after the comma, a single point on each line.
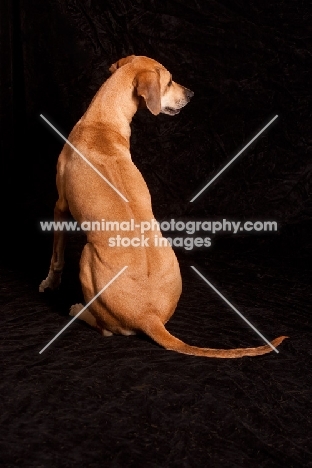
[84, 158]
[85, 307]
[238, 154]
[234, 308]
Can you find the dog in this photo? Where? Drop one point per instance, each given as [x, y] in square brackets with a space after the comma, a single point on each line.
[145, 295]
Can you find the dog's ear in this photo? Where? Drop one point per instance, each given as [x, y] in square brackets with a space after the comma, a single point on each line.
[147, 84]
[120, 63]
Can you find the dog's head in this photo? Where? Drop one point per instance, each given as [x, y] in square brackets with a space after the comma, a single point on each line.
[154, 84]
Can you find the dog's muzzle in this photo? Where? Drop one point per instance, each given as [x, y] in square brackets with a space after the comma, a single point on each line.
[188, 94]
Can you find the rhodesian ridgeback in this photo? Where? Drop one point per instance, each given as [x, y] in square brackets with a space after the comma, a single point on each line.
[145, 295]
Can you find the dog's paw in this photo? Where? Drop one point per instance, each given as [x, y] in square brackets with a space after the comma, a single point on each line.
[105, 332]
[51, 282]
[75, 309]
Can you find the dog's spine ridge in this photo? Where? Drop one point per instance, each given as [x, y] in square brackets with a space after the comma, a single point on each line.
[157, 331]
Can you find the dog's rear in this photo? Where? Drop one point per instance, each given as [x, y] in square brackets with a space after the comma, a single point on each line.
[145, 295]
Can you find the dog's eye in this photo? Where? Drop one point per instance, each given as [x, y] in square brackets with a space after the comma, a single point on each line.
[170, 82]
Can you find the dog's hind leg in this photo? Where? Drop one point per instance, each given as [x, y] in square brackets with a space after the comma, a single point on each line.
[87, 317]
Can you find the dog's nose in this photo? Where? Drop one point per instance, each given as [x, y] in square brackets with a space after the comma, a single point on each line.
[189, 94]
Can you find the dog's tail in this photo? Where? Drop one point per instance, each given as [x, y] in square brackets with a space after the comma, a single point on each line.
[157, 331]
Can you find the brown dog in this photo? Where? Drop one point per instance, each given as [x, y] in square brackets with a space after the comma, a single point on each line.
[145, 295]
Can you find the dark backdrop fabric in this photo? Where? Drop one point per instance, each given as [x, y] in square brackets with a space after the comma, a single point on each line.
[90, 401]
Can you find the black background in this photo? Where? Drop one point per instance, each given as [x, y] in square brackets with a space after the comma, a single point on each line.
[124, 401]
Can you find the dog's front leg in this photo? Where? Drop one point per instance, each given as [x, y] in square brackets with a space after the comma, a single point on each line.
[57, 261]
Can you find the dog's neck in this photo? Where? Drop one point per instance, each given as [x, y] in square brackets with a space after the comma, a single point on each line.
[114, 104]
